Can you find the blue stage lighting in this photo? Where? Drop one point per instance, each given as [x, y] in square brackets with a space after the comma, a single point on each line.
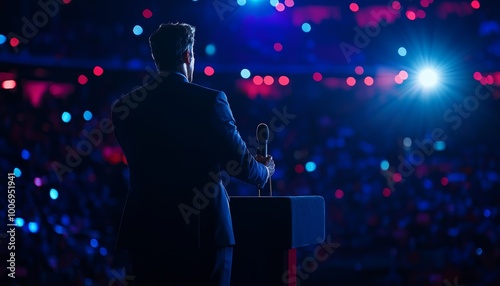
[310, 166]
[87, 115]
[407, 142]
[137, 30]
[54, 194]
[306, 27]
[486, 213]
[210, 49]
[19, 222]
[25, 154]
[66, 117]
[65, 219]
[33, 227]
[59, 229]
[402, 51]
[17, 172]
[103, 251]
[384, 165]
[439, 145]
[245, 73]
[428, 78]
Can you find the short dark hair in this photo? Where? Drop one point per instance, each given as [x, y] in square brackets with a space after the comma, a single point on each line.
[169, 42]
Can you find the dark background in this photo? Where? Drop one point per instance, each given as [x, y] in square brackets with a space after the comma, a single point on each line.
[439, 225]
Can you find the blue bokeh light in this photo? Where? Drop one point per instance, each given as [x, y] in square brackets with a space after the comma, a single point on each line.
[402, 51]
[17, 172]
[87, 115]
[25, 154]
[310, 166]
[439, 145]
[486, 213]
[210, 49]
[59, 229]
[274, 2]
[245, 73]
[66, 117]
[33, 227]
[54, 194]
[3, 39]
[94, 243]
[384, 165]
[306, 27]
[19, 222]
[65, 219]
[137, 30]
[241, 2]
[479, 251]
[103, 251]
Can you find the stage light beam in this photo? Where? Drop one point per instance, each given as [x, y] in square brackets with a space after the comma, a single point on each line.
[428, 78]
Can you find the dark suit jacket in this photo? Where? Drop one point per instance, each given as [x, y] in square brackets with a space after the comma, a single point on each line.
[177, 137]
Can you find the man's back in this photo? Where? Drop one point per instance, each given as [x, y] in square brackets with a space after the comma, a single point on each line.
[176, 137]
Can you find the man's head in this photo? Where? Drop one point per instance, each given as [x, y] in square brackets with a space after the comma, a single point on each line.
[172, 48]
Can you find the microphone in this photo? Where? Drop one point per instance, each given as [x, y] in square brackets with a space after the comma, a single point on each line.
[262, 134]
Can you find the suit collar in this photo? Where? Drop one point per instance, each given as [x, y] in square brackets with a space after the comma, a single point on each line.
[173, 75]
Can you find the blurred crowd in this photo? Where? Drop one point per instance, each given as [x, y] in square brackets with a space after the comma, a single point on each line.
[438, 225]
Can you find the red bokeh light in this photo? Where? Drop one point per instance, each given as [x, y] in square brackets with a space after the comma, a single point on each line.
[386, 192]
[284, 80]
[147, 13]
[444, 181]
[280, 7]
[397, 177]
[411, 15]
[278, 47]
[9, 84]
[66, 1]
[317, 76]
[289, 3]
[339, 194]
[209, 71]
[299, 168]
[351, 81]
[403, 75]
[354, 7]
[359, 70]
[98, 71]
[421, 14]
[477, 76]
[82, 79]
[14, 42]
[369, 81]
[475, 4]
[396, 5]
[258, 80]
[398, 79]
[424, 3]
[490, 79]
[268, 80]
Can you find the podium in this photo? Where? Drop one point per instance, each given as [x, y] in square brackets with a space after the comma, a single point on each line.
[268, 231]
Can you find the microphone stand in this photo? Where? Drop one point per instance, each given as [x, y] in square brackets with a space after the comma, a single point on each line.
[270, 187]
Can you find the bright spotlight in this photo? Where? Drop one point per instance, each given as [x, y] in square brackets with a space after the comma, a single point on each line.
[428, 78]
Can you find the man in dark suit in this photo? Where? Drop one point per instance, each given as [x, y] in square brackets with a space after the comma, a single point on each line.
[177, 137]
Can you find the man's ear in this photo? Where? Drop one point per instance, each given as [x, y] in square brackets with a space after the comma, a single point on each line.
[187, 57]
